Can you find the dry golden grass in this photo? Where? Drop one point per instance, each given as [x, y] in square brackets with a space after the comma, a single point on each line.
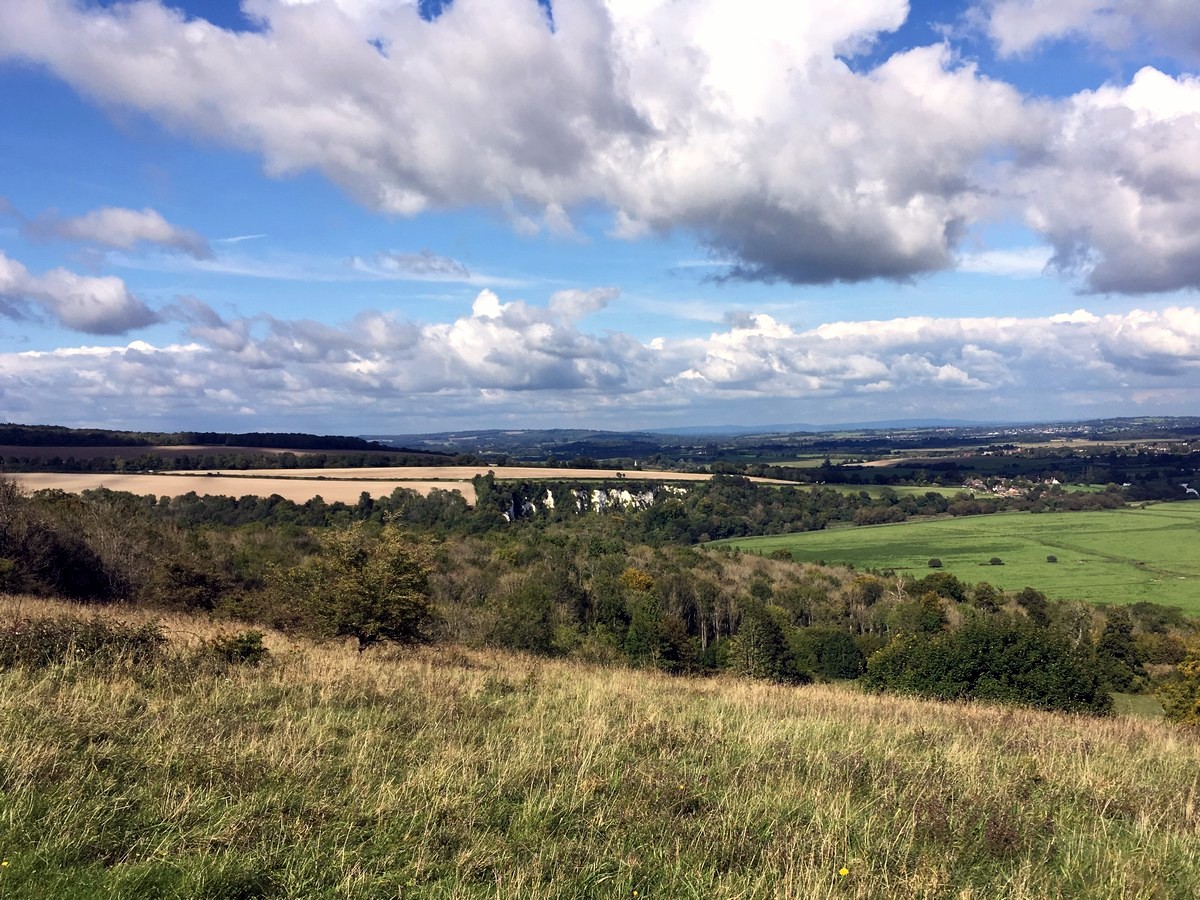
[331, 489]
[466, 473]
[448, 772]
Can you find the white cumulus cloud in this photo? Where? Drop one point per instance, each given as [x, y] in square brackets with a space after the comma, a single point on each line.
[753, 131]
[509, 358]
[748, 129]
[95, 305]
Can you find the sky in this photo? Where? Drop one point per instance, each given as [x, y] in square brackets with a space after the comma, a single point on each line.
[389, 217]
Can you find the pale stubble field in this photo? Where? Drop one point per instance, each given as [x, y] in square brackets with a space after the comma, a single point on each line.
[333, 485]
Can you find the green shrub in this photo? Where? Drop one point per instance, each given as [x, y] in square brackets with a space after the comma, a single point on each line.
[995, 561]
[525, 619]
[370, 588]
[1035, 605]
[922, 615]
[760, 649]
[38, 643]
[1180, 695]
[943, 584]
[831, 652]
[1002, 658]
[242, 649]
[1160, 649]
[1118, 652]
[1051, 558]
[935, 563]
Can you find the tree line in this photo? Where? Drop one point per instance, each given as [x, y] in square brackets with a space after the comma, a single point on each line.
[611, 588]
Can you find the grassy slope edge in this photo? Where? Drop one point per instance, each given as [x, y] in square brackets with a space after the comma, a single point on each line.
[442, 772]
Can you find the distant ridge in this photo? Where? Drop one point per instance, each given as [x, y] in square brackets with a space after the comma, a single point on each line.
[822, 429]
[17, 435]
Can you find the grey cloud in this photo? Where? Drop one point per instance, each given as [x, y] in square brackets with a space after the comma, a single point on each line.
[120, 229]
[1117, 194]
[425, 264]
[206, 325]
[1170, 27]
[95, 305]
[12, 307]
[574, 304]
[748, 130]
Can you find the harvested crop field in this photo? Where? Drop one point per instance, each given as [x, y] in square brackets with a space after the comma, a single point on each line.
[466, 473]
[299, 490]
[332, 485]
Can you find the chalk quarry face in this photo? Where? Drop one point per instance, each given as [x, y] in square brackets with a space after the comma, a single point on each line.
[597, 500]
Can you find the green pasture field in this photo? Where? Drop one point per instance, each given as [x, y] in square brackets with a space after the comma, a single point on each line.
[1104, 556]
[902, 490]
[816, 461]
[920, 490]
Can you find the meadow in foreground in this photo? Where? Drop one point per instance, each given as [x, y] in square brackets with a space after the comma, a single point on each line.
[440, 772]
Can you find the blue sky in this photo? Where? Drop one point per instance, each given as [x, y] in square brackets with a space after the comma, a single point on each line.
[365, 216]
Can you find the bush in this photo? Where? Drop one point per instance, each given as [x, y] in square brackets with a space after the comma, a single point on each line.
[98, 642]
[831, 652]
[995, 561]
[943, 584]
[1180, 696]
[760, 650]
[1118, 653]
[1005, 659]
[242, 649]
[1051, 558]
[372, 589]
[935, 563]
[525, 619]
[922, 615]
[1036, 606]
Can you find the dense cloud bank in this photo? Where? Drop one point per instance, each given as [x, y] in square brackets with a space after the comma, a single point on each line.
[379, 366]
[764, 134]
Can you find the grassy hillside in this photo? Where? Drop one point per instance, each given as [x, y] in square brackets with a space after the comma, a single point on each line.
[446, 773]
[1106, 556]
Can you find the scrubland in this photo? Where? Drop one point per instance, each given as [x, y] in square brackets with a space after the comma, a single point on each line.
[447, 772]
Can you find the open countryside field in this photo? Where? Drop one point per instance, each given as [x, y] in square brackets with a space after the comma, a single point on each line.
[902, 490]
[911, 490]
[332, 485]
[298, 490]
[466, 473]
[1106, 556]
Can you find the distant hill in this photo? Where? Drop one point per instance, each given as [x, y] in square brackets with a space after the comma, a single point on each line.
[799, 427]
[15, 435]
